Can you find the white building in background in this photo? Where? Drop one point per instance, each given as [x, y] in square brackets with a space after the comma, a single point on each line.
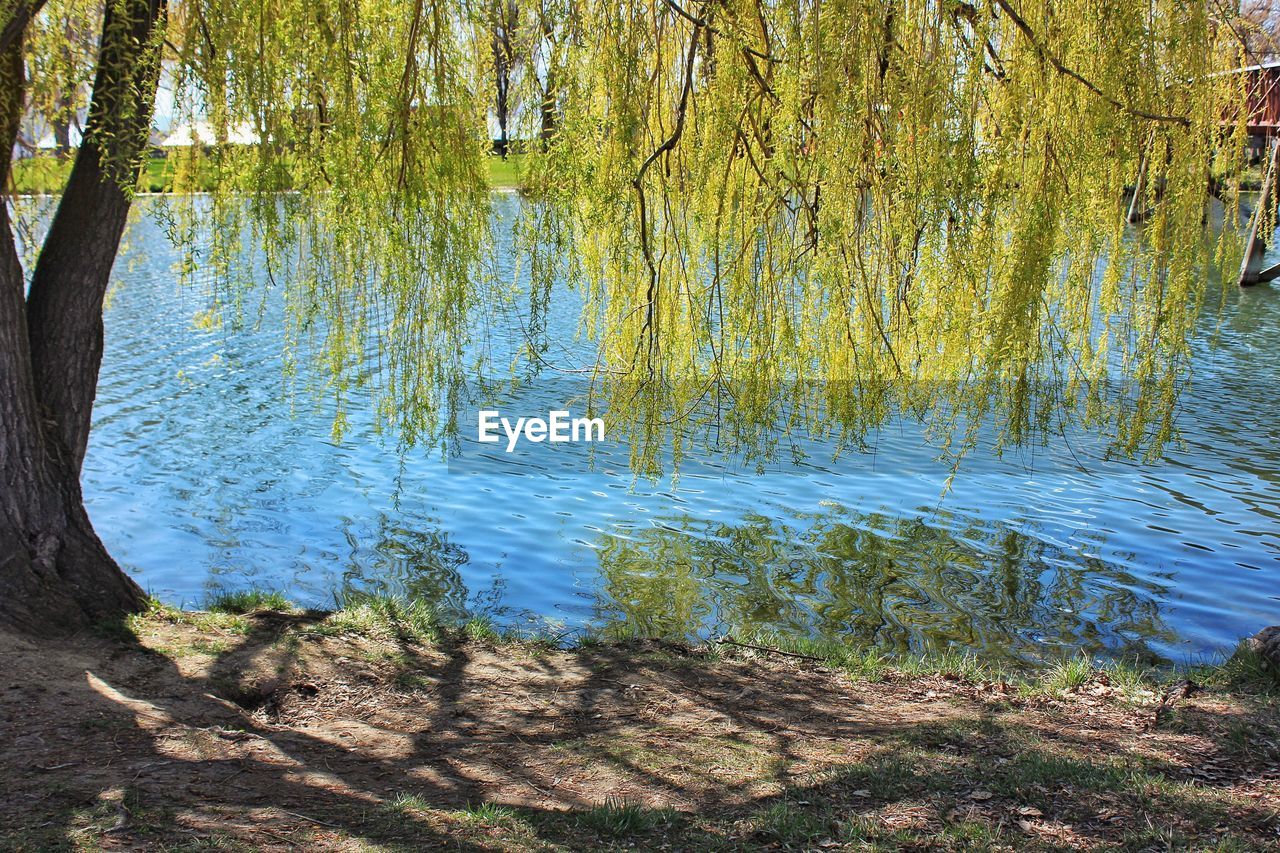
[37, 136]
[202, 133]
[49, 142]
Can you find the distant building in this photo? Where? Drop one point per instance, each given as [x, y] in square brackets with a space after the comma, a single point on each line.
[202, 133]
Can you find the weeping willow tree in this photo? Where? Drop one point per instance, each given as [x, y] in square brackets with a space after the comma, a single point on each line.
[861, 207]
[782, 214]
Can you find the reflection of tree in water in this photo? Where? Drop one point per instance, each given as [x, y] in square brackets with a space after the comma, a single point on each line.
[408, 556]
[897, 583]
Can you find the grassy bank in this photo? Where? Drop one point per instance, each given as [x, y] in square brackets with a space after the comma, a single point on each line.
[47, 175]
[381, 727]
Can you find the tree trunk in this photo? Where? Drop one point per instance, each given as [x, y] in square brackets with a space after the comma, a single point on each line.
[55, 574]
[547, 108]
[64, 309]
[503, 142]
[504, 22]
[62, 130]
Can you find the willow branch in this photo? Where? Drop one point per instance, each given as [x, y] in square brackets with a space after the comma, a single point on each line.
[23, 12]
[1048, 56]
[667, 145]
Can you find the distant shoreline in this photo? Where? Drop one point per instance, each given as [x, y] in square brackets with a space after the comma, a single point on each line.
[46, 175]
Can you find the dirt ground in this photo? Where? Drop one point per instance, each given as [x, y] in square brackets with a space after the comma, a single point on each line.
[262, 734]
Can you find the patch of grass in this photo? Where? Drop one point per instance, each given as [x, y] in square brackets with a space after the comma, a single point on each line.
[1131, 679]
[248, 601]
[403, 815]
[956, 733]
[868, 662]
[952, 664]
[383, 615]
[120, 629]
[734, 759]
[1034, 776]
[962, 834]
[408, 680]
[532, 646]
[405, 802]
[590, 640]
[505, 174]
[158, 611]
[217, 841]
[790, 823]
[890, 773]
[1067, 675]
[538, 638]
[480, 629]
[1240, 734]
[488, 813]
[89, 823]
[395, 658]
[618, 818]
[1243, 670]
[47, 175]
[212, 647]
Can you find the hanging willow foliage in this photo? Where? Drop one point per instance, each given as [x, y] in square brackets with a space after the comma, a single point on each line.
[783, 214]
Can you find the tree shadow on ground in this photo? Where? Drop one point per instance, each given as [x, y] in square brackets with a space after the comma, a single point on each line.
[278, 735]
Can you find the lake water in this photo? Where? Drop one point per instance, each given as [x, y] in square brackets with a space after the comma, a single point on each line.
[205, 473]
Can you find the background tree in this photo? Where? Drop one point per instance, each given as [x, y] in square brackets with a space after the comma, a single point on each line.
[1256, 28]
[556, 32]
[63, 49]
[504, 23]
[782, 215]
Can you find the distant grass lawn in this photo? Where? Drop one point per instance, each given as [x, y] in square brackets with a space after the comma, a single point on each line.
[48, 175]
[505, 174]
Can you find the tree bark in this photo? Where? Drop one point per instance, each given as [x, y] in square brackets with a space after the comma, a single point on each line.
[69, 284]
[62, 128]
[55, 574]
[504, 18]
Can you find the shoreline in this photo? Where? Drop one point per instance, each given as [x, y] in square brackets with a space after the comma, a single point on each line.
[44, 176]
[276, 729]
[1028, 671]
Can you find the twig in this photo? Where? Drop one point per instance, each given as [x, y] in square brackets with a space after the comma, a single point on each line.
[729, 641]
[122, 819]
[312, 819]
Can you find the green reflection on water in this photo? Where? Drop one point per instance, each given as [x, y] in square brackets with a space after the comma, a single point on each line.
[901, 584]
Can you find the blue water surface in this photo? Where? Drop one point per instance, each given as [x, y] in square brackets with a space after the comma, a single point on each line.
[207, 471]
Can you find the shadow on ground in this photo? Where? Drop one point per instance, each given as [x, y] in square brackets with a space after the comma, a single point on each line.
[270, 732]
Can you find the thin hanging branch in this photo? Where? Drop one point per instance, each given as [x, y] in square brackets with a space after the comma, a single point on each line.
[667, 145]
[22, 14]
[1048, 56]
